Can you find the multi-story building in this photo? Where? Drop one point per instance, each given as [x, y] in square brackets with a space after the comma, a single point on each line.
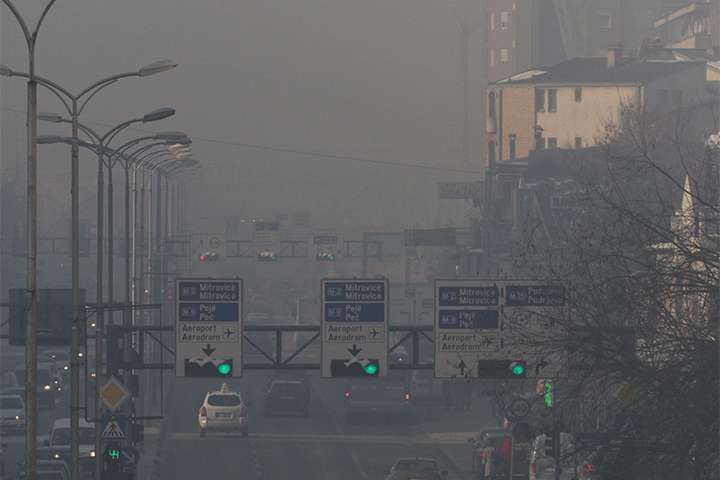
[571, 104]
[693, 26]
[528, 33]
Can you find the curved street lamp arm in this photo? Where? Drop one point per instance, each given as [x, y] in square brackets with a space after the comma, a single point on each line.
[42, 18]
[97, 89]
[85, 129]
[29, 37]
[108, 80]
[53, 87]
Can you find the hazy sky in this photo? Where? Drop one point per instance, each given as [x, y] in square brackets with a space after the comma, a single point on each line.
[374, 79]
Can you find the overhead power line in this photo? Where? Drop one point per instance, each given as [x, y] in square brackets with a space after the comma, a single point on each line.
[296, 151]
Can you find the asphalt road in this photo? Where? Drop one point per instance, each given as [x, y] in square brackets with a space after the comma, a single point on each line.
[315, 448]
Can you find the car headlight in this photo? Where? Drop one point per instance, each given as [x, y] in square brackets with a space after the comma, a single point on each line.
[92, 454]
[46, 387]
[19, 418]
[66, 367]
[56, 455]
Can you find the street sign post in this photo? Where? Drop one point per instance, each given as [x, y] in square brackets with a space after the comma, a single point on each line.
[209, 327]
[491, 328]
[466, 326]
[354, 328]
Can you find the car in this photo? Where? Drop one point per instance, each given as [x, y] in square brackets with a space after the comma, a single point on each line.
[46, 393]
[543, 465]
[492, 439]
[12, 413]
[57, 382]
[60, 437]
[377, 396]
[416, 469]
[425, 388]
[50, 469]
[287, 397]
[223, 410]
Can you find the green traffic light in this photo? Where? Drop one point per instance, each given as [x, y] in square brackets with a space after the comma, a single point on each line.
[371, 369]
[518, 369]
[114, 454]
[224, 369]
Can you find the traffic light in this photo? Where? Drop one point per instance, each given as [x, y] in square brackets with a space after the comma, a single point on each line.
[267, 256]
[209, 257]
[325, 257]
[112, 458]
[225, 369]
[548, 393]
[502, 369]
[366, 368]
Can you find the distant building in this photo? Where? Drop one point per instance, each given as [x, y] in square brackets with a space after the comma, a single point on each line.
[695, 25]
[521, 34]
[570, 104]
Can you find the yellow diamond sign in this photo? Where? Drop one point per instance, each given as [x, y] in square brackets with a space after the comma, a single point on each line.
[114, 394]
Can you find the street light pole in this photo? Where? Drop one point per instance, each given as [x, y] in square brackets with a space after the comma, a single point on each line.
[31, 256]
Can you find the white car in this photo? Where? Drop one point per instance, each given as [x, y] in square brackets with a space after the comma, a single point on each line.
[12, 413]
[223, 410]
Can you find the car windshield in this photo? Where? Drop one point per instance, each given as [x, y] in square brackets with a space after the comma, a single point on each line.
[61, 436]
[218, 400]
[287, 389]
[416, 466]
[11, 403]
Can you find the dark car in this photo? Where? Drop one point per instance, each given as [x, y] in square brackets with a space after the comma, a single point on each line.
[287, 397]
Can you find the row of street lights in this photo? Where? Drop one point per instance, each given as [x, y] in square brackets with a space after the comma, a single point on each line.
[176, 160]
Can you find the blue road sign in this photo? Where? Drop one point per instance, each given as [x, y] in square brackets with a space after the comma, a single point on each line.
[209, 328]
[354, 327]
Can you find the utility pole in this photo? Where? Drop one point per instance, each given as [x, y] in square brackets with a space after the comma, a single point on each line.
[99, 313]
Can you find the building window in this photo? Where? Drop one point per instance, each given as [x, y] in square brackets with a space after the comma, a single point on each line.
[512, 145]
[578, 94]
[605, 21]
[552, 142]
[504, 20]
[491, 104]
[540, 100]
[504, 55]
[578, 142]
[663, 99]
[493, 27]
[491, 153]
[552, 100]
[492, 57]
[539, 141]
[677, 99]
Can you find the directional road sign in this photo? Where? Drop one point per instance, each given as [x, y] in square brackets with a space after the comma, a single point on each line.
[354, 327]
[209, 327]
[533, 313]
[466, 327]
[495, 328]
[114, 394]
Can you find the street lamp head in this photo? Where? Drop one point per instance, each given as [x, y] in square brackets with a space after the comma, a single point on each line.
[158, 114]
[49, 139]
[175, 137]
[157, 67]
[50, 117]
[6, 71]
